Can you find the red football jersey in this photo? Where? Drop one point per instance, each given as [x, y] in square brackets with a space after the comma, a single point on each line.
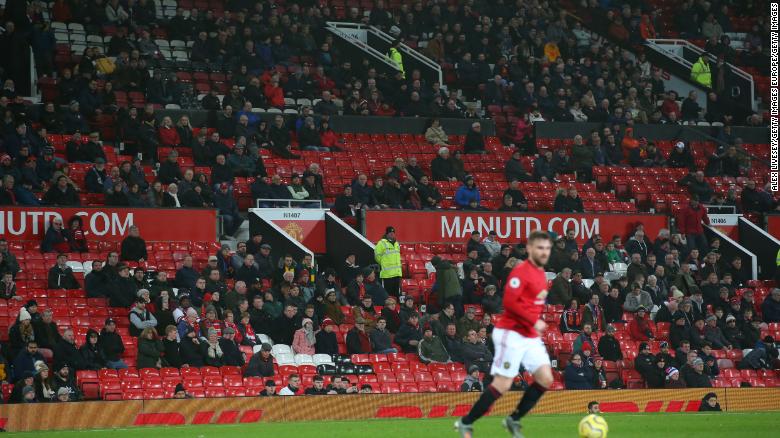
[525, 293]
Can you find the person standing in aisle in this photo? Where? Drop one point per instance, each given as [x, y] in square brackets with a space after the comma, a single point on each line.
[388, 254]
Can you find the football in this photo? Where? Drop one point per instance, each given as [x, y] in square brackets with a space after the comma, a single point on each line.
[593, 426]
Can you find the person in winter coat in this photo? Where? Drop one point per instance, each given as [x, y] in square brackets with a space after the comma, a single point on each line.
[694, 375]
[75, 236]
[467, 196]
[472, 383]
[61, 275]
[593, 314]
[261, 364]
[150, 349]
[44, 384]
[90, 351]
[357, 339]
[134, 247]
[571, 320]
[560, 291]
[111, 345]
[475, 353]
[709, 403]
[55, 239]
[448, 287]
[232, 356]
[409, 334]
[380, 338]
[714, 334]
[327, 342]
[191, 349]
[211, 350]
[66, 352]
[305, 338]
[656, 376]
[609, 347]
[586, 337]
[171, 351]
[576, 375]
[431, 349]
[640, 328]
[673, 379]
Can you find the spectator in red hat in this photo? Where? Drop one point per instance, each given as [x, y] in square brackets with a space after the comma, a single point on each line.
[305, 338]
[327, 343]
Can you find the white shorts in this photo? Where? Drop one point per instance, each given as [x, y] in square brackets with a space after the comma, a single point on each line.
[513, 350]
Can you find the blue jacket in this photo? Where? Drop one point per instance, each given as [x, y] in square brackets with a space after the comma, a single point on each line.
[464, 196]
[578, 377]
[24, 361]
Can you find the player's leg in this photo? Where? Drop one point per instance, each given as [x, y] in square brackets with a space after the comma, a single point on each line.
[543, 379]
[504, 369]
[537, 362]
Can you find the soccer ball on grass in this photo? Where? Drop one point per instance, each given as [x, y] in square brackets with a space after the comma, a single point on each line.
[593, 426]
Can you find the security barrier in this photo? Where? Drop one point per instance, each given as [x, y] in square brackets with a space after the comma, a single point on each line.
[96, 414]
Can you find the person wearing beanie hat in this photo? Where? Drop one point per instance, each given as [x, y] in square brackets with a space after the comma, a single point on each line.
[327, 343]
[472, 381]
[639, 328]
[608, 346]
[262, 363]
[24, 315]
[430, 348]
[63, 395]
[674, 379]
[645, 362]
[28, 395]
[695, 376]
[304, 339]
[387, 253]
[179, 392]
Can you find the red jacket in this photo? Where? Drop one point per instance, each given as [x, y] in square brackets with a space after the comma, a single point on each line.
[275, 96]
[169, 137]
[329, 138]
[638, 329]
[689, 220]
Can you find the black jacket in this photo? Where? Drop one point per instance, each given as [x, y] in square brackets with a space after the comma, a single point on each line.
[62, 278]
[171, 353]
[111, 345]
[327, 343]
[609, 348]
[191, 353]
[65, 352]
[232, 355]
[258, 367]
[133, 249]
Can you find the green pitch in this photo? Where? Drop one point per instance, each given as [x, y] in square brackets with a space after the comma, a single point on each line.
[691, 425]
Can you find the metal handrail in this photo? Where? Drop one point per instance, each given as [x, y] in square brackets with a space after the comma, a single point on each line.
[334, 27]
[655, 45]
[410, 51]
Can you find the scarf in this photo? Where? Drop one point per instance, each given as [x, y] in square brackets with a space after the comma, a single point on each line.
[214, 350]
[310, 338]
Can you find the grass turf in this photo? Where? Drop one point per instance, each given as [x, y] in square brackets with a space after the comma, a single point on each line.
[688, 425]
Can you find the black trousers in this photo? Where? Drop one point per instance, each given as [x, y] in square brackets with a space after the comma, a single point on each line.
[392, 286]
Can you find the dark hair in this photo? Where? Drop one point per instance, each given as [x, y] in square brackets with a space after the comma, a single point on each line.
[591, 404]
[318, 378]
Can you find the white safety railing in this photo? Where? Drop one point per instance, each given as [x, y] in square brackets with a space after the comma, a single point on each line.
[663, 46]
